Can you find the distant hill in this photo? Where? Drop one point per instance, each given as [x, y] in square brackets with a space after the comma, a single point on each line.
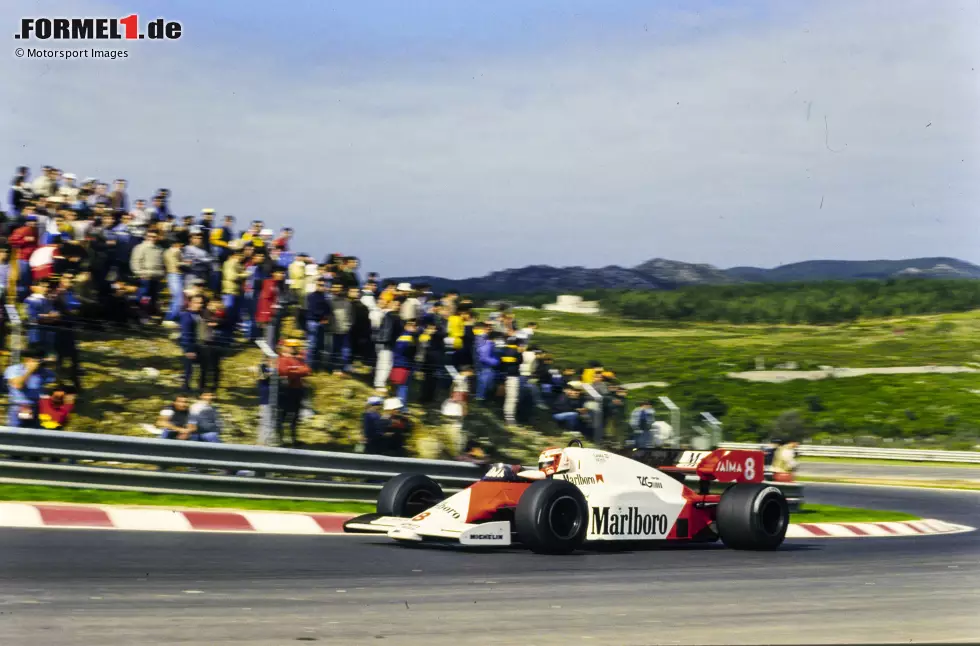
[660, 273]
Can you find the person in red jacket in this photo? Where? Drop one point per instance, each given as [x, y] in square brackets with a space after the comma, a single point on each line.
[25, 240]
[54, 409]
[293, 370]
[268, 310]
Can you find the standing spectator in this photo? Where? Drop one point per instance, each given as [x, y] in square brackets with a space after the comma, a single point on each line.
[341, 319]
[141, 218]
[123, 248]
[197, 259]
[4, 289]
[487, 361]
[149, 268]
[267, 310]
[4, 276]
[294, 371]
[282, 240]
[204, 422]
[255, 266]
[404, 361]
[432, 348]
[40, 317]
[211, 343]
[67, 305]
[510, 362]
[25, 240]
[174, 264]
[68, 190]
[411, 307]
[221, 237]
[25, 383]
[233, 275]
[384, 338]
[641, 424]
[20, 190]
[174, 420]
[55, 409]
[317, 321]
[45, 184]
[191, 323]
[373, 427]
[118, 199]
[296, 277]
[526, 332]
[397, 427]
[361, 347]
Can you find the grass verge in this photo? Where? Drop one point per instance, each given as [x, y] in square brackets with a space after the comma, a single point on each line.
[830, 514]
[35, 493]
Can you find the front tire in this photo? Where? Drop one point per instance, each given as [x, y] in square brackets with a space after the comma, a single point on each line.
[552, 517]
[752, 517]
[409, 494]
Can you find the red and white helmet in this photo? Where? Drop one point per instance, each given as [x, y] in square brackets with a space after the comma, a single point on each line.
[552, 461]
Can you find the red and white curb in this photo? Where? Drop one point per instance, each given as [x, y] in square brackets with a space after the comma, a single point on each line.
[40, 516]
[167, 520]
[877, 530]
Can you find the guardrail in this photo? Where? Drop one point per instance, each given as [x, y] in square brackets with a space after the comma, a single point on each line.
[173, 466]
[870, 453]
[101, 461]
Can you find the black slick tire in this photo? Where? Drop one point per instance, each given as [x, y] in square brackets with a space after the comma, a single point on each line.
[409, 494]
[552, 517]
[752, 517]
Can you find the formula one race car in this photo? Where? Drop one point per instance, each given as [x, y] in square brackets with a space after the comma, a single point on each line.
[579, 495]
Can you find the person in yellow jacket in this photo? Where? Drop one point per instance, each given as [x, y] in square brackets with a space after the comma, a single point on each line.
[233, 275]
[254, 235]
[221, 237]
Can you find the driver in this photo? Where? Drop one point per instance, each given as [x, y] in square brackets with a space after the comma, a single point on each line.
[550, 462]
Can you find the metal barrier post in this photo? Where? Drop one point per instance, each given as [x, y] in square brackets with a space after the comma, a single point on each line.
[16, 334]
[267, 427]
[599, 426]
[675, 419]
[715, 429]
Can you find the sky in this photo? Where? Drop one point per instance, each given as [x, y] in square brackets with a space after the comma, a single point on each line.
[458, 137]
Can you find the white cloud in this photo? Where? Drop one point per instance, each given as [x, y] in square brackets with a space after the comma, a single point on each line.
[710, 146]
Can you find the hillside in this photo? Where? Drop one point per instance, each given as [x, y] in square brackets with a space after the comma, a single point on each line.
[660, 273]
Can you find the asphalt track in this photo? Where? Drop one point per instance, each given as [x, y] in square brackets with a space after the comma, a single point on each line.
[113, 588]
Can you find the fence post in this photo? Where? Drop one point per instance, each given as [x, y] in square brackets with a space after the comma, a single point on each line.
[267, 427]
[716, 429]
[675, 418]
[16, 334]
[597, 436]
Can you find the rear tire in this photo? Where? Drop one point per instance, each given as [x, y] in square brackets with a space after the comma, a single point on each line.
[552, 517]
[752, 517]
[409, 494]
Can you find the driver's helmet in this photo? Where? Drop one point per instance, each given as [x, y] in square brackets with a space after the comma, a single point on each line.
[550, 461]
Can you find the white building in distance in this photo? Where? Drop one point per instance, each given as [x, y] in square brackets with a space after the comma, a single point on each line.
[573, 305]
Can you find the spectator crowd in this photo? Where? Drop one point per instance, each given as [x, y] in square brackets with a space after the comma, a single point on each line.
[82, 253]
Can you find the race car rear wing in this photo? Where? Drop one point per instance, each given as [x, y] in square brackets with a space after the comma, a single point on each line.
[721, 465]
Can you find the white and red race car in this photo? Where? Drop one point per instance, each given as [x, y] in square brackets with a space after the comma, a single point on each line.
[579, 495]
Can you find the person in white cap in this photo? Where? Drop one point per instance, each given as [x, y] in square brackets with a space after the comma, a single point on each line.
[68, 191]
[411, 306]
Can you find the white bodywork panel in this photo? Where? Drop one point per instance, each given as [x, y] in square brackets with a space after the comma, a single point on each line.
[627, 501]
